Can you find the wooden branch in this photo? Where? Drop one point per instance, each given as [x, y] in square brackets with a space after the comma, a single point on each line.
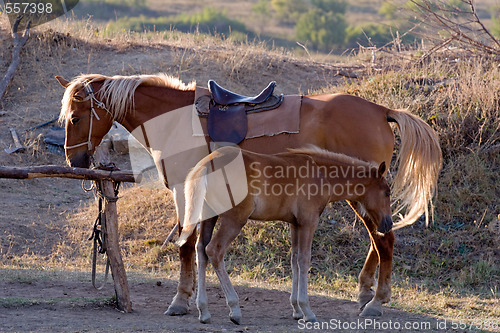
[65, 172]
[16, 55]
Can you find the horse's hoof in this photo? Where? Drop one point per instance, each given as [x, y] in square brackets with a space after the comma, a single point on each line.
[206, 319]
[236, 319]
[312, 320]
[176, 310]
[297, 315]
[371, 312]
[365, 298]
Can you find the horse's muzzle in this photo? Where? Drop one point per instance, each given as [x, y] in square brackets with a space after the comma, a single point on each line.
[79, 160]
[385, 225]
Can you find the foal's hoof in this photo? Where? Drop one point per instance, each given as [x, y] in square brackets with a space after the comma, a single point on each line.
[311, 320]
[236, 319]
[205, 319]
[365, 297]
[176, 310]
[371, 312]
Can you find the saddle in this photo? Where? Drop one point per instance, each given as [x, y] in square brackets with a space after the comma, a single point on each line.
[227, 111]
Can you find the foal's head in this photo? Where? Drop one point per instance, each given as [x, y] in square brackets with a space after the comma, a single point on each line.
[376, 199]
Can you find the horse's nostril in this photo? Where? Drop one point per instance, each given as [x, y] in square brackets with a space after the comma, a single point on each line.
[79, 160]
[385, 225]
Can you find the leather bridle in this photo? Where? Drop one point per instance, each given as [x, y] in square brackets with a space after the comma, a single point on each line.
[89, 95]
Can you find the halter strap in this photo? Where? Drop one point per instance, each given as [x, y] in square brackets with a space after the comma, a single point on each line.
[89, 93]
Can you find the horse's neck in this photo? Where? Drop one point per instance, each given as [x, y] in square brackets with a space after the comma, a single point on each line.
[152, 102]
[345, 176]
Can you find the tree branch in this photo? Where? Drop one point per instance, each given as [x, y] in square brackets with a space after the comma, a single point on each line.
[464, 26]
[65, 172]
[16, 54]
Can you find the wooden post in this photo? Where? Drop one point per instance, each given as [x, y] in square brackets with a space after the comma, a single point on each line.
[111, 238]
[113, 249]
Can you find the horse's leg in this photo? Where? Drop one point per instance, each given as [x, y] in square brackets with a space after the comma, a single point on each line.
[380, 252]
[367, 277]
[230, 227]
[206, 230]
[384, 244]
[305, 231]
[187, 275]
[294, 296]
[187, 278]
[367, 274]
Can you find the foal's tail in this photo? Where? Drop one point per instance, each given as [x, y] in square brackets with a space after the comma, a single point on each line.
[419, 163]
[195, 188]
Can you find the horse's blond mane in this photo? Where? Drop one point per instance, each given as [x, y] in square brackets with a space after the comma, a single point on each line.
[119, 90]
[318, 153]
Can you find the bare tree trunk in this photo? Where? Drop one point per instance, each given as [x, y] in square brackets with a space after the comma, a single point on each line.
[16, 55]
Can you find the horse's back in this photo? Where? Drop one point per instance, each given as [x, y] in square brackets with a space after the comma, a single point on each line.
[341, 123]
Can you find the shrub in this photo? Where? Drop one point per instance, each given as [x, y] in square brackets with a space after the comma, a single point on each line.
[324, 30]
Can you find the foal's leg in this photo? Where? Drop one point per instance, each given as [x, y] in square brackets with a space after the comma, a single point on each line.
[384, 244]
[367, 277]
[206, 230]
[230, 227]
[305, 232]
[294, 296]
[367, 274]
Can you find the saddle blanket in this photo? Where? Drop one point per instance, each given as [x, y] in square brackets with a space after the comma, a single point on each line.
[284, 119]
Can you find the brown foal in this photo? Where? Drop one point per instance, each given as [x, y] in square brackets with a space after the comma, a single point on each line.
[293, 187]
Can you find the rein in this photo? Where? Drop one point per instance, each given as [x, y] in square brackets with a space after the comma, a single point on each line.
[90, 95]
[99, 230]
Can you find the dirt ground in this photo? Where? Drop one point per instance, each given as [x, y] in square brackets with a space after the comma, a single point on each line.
[62, 305]
[31, 220]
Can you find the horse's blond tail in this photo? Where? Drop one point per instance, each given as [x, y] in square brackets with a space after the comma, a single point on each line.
[419, 163]
[195, 188]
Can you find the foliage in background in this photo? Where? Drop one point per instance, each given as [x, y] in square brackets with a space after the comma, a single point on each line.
[209, 21]
[323, 30]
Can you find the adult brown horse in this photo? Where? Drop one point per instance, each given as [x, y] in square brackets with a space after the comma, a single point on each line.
[341, 123]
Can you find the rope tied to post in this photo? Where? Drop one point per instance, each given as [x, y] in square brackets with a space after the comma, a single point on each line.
[99, 229]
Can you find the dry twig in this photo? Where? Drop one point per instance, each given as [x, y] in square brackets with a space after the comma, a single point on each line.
[462, 26]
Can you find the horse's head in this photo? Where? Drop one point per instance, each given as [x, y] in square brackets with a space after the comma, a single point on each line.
[376, 200]
[86, 120]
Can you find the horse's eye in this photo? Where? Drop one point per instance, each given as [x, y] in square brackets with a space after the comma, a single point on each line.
[77, 98]
[74, 120]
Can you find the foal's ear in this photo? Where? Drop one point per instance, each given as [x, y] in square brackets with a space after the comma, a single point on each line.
[381, 169]
[62, 81]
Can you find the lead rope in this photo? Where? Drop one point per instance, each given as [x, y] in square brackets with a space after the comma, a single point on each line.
[99, 231]
[98, 235]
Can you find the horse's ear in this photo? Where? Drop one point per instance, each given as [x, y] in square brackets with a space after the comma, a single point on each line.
[62, 81]
[381, 170]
